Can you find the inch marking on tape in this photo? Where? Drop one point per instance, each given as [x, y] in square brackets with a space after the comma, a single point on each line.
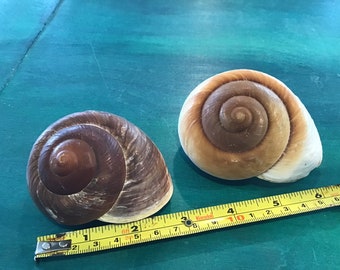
[186, 222]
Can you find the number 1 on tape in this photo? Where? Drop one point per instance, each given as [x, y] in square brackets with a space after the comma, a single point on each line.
[186, 222]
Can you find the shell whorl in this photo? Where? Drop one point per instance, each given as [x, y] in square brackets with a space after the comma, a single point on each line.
[95, 165]
[244, 123]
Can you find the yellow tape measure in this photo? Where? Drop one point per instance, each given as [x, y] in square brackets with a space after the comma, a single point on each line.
[186, 222]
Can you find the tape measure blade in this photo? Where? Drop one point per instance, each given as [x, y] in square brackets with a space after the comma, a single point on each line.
[187, 222]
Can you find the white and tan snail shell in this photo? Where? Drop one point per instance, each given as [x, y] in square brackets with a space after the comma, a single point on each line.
[96, 165]
[244, 123]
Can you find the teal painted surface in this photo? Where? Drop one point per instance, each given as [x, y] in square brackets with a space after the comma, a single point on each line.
[20, 24]
[140, 59]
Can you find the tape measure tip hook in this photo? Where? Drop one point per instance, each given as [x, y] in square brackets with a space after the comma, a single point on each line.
[44, 247]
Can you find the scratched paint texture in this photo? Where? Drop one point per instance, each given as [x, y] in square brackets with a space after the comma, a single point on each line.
[140, 59]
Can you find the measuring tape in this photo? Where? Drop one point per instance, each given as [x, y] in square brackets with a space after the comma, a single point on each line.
[186, 222]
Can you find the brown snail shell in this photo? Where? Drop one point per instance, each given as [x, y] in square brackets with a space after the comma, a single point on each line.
[245, 123]
[96, 165]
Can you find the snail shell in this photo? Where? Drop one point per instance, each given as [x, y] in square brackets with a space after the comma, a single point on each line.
[95, 165]
[244, 123]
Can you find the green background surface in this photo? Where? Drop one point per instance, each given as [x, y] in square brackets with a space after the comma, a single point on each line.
[140, 59]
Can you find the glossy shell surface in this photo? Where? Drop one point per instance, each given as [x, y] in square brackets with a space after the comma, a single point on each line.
[244, 123]
[96, 165]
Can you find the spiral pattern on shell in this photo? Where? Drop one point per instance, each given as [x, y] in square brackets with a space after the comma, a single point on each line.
[95, 165]
[244, 123]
